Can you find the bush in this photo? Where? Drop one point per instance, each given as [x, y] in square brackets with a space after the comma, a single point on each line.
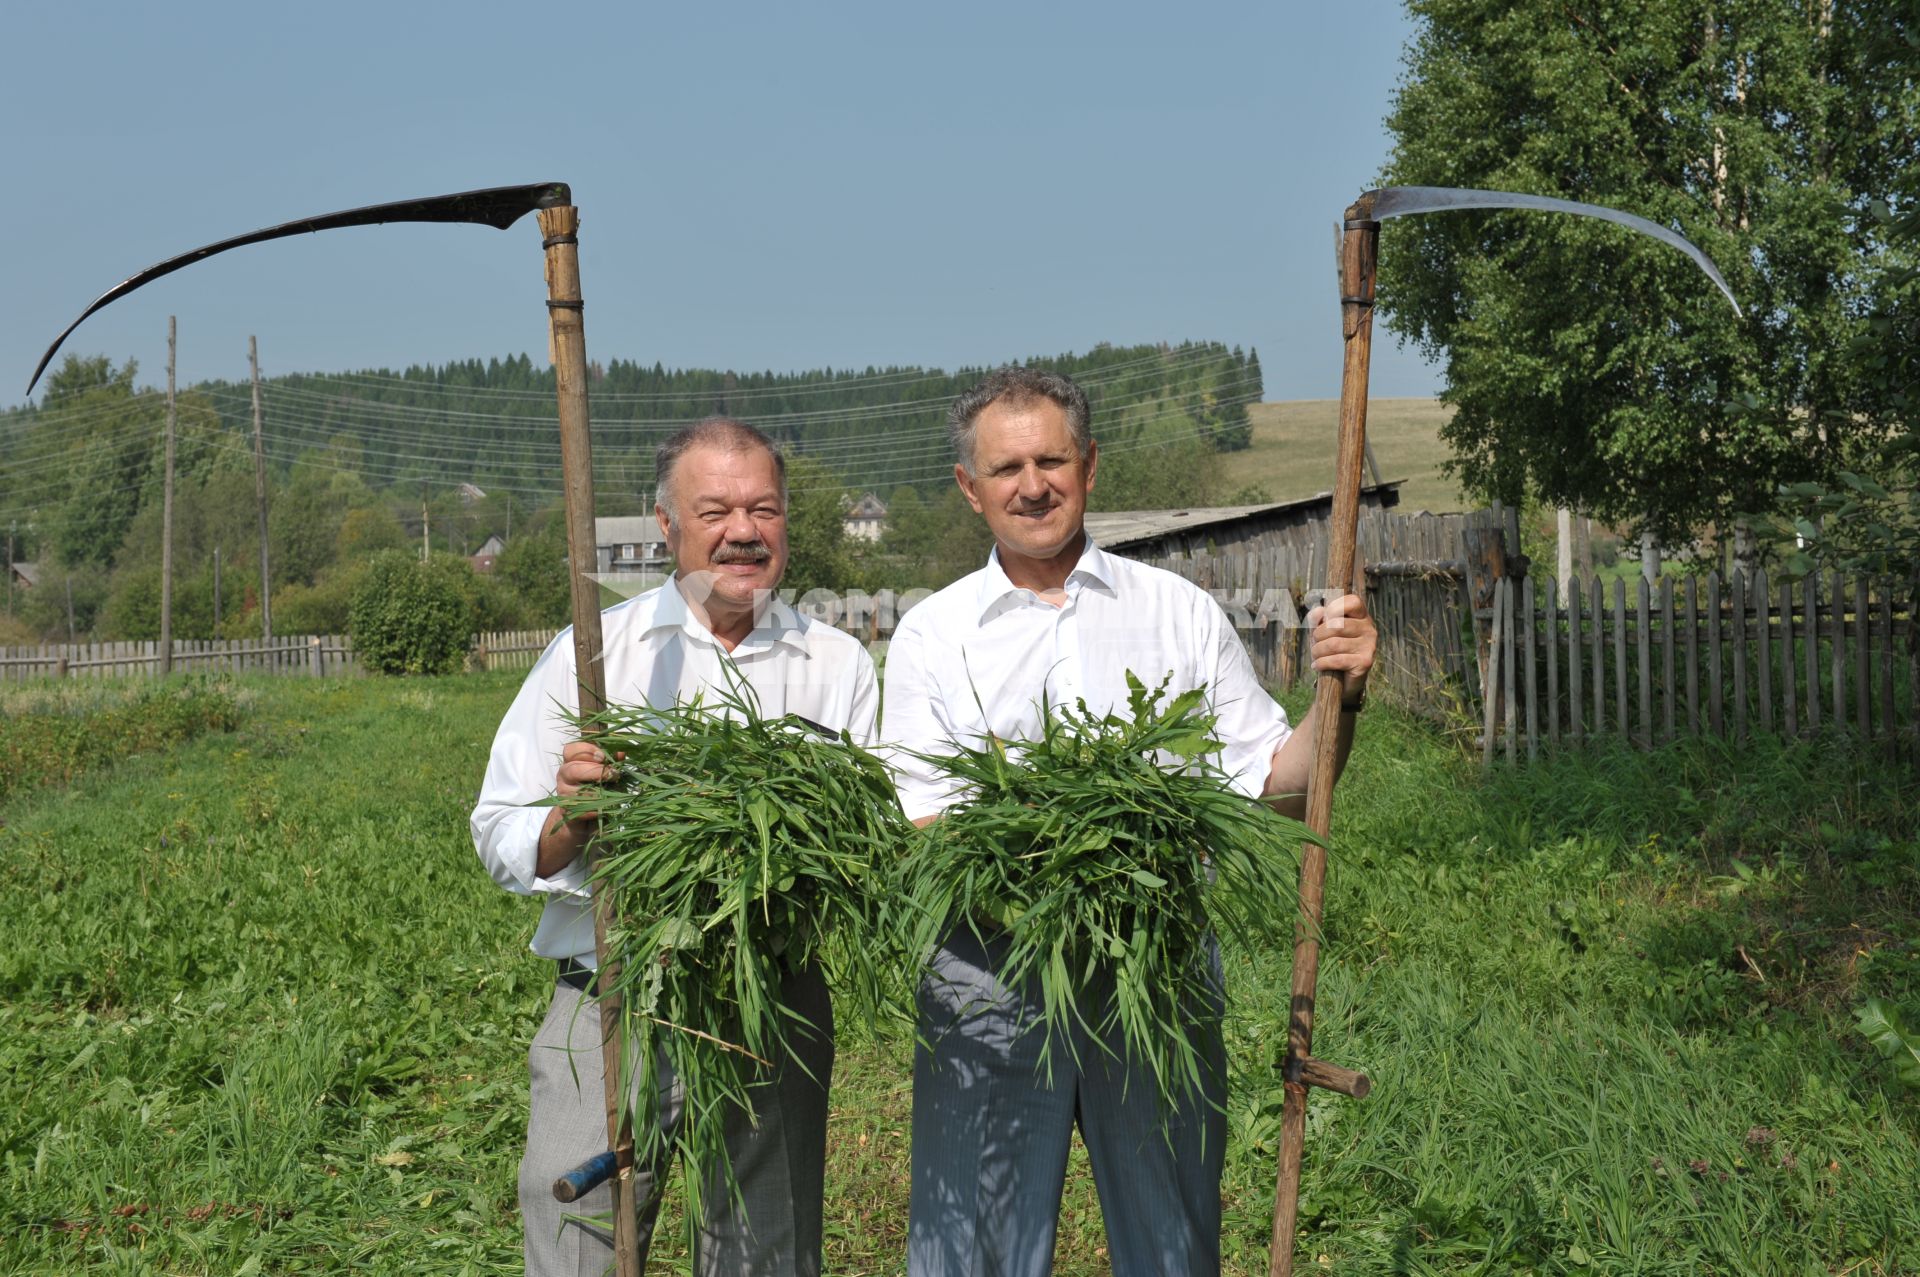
[50, 735]
[321, 608]
[410, 617]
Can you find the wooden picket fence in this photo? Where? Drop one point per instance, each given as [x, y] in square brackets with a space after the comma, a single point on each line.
[509, 649]
[316, 655]
[1648, 663]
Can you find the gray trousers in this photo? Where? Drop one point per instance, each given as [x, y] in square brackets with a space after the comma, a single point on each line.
[991, 1134]
[779, 1153]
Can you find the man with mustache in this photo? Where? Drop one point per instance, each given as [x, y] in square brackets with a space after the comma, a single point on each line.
[722, 505]
[1052, 615]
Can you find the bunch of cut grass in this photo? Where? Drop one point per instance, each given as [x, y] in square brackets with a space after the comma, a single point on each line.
[1108, 850]
[733, 848]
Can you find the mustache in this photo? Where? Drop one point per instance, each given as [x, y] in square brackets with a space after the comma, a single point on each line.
[742, 552]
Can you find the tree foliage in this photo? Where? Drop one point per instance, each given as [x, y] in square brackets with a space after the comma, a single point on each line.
[1595, 367]
[411, 616]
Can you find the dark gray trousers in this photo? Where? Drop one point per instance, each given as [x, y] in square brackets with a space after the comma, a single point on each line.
[779, 1153]
[991, 1134]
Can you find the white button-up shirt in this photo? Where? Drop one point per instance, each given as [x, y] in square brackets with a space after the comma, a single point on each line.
[657, 653]
[978, 656]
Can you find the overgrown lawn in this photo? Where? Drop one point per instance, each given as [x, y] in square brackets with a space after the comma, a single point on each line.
[261, 1011]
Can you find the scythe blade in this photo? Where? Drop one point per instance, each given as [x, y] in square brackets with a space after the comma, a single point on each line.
[496, 206]
[1407, 201]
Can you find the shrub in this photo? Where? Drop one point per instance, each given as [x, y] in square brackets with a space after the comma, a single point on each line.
[50, 735]
[410, 617]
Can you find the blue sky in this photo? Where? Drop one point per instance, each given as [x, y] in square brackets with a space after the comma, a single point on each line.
[761, 186]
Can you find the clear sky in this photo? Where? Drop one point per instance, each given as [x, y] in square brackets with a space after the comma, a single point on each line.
[761, 186]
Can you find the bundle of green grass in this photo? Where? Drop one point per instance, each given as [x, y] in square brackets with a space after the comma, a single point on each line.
[1107, 850]
[734, 848]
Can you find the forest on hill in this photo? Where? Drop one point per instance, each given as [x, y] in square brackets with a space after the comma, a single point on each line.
[447, 456]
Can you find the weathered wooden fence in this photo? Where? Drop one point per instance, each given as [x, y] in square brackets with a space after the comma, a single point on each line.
[312, 654]
[1423, 588]
[1697, 655]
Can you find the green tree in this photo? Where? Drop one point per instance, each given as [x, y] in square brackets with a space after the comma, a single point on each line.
[818, 557]
[533, 567]
[1596, 368]
[412, 617]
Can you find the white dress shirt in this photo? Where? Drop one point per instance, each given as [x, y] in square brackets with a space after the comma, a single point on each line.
[978, 656]
[657, 653]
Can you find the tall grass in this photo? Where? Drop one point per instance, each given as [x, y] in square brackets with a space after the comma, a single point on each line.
[261, 1011]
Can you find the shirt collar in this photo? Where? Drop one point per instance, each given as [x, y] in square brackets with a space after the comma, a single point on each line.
[1094, 567]
[777, 622]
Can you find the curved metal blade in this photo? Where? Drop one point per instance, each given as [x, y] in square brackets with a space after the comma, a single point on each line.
[1405, 201]
[496, 206]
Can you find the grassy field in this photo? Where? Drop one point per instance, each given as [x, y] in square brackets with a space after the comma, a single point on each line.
[262, 1012]
[1293, 446]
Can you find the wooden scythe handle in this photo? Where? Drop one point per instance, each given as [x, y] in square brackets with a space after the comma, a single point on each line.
[568, 338]
[1360, 238]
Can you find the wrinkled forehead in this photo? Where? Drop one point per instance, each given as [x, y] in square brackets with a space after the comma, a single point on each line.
[732, 476]
[1029, 427]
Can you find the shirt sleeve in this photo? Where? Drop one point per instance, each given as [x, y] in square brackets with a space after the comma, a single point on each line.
[521, 769]
[916, 722]
[863, 713]
[1252, 725]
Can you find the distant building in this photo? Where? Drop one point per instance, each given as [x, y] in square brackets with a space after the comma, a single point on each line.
[491, 546]
[25, 575]
[469, 494]
[630, 543]
[865, 518]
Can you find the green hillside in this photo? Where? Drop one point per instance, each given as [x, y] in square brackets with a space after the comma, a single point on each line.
[1293, 446]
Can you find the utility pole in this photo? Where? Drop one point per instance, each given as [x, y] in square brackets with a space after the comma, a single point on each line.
[70, 637]
[166, 523]
[216, 591]
[10, 569]
[426, 533]
[260, 494]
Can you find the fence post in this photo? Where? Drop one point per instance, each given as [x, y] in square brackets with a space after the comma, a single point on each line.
[314, 660]
[1575, 588]
[1740, 655]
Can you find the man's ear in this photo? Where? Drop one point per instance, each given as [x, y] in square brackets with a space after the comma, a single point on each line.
[965, 480]
[666, 521]
[1093, 461]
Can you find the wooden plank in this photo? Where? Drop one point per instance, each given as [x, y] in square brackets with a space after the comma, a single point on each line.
[1489, 696]
[1528, 606]
[1643, 641]
[1714, 716]
[1574, 660]
[1693, 656]
[1511, 666]
[1810, 633]
[1837, 635]
[1621, 722]
[1763, 623]
[1862, 667]
[1789, 664]
[1598, 638]
[1887, 731]
[1666, 657]
[1553, 661]
[1739, 619]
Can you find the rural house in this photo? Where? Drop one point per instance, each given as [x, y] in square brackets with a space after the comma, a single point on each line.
[865, 519]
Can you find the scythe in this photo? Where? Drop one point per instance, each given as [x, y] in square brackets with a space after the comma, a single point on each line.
[1359, 248]
[501, 207]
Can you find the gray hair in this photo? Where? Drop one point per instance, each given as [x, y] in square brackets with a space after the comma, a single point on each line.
[1018, 385]
[728, 433]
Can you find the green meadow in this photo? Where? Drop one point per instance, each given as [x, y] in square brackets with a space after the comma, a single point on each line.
[262, 1012]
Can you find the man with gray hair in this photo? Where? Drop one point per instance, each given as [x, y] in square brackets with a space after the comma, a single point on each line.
[722, 506]
[1054, 619]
